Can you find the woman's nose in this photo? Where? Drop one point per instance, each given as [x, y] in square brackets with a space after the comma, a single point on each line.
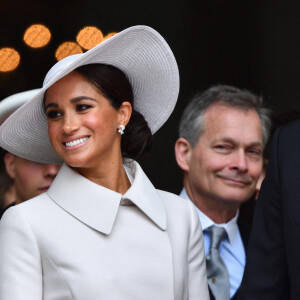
[71, 124]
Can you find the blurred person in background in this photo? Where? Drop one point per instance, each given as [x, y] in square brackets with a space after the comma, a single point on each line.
[21, 179]
[7, 187]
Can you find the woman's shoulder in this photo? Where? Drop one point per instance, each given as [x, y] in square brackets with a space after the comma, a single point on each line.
[168, 196]
[30, 207]
[182, 217]
[174, 202]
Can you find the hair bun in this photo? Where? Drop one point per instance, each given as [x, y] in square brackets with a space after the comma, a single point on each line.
[137, 138]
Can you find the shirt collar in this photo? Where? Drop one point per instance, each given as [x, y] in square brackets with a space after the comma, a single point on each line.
[206, 222]
[97, 206]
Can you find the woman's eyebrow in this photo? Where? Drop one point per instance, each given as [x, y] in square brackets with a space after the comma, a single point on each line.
[51, 105]
[73, 100]
[77, 99]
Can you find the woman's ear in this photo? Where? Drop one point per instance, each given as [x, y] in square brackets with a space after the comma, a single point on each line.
[10, 166]
[183, 151]
[125, 111]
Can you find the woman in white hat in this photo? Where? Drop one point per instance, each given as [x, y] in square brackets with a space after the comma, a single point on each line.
[102, 231]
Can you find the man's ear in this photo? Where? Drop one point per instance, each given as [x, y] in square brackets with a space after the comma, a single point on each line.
[183, 151]
[9, 161]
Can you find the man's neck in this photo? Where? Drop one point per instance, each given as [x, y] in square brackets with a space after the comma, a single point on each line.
[216, 209]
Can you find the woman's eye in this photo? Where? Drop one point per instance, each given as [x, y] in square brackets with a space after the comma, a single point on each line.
[53, 114]
[82, 107]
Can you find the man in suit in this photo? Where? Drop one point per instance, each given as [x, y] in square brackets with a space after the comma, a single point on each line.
[24, 179]
[273, 266]
[222, 134]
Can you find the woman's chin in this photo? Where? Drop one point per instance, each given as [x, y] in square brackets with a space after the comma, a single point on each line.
[75, 164]
[73, 159]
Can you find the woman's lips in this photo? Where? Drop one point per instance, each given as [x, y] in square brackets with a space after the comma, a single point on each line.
[75, 143]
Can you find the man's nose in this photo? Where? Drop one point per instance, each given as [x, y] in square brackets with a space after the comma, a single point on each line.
[239, 161]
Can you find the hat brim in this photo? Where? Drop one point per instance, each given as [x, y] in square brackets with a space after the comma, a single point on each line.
[139, 51]
[13, 102]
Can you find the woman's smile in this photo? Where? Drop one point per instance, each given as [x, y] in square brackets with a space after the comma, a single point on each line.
[75, 143]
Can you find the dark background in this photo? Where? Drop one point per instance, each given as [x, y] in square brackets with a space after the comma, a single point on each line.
[249, 44]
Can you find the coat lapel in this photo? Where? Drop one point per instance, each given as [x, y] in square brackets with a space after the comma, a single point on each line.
[87, 201]
[97, 206]
[143, 194]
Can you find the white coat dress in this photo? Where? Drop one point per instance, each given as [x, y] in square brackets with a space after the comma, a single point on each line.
[81, 241]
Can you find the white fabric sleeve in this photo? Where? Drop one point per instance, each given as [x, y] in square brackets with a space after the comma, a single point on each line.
[198, 287]
[20, 262]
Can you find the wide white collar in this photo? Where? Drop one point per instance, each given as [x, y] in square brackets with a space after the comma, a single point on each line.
[97, 206]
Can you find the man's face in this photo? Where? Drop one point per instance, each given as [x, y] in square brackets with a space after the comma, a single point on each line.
[31, 178]
[226, 162]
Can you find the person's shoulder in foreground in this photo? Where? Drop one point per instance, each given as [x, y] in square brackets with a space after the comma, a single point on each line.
[273, 267]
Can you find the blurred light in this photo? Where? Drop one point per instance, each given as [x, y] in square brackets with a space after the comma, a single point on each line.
[109, 35]
[9, 59]
[89, 36]
[67, 49]
[37, 36]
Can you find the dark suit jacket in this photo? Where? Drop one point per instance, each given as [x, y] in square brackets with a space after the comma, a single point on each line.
[244, 224]
[273, 263]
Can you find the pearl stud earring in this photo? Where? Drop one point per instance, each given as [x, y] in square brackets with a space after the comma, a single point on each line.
[121, 130]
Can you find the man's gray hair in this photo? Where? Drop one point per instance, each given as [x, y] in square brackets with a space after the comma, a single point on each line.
[192, 125]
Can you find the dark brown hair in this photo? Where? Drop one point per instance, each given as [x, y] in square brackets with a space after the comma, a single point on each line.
[113, 84]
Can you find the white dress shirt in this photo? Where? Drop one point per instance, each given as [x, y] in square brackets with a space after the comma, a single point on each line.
[231, 249]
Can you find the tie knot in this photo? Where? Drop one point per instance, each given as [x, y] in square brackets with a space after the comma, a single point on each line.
[217, 234]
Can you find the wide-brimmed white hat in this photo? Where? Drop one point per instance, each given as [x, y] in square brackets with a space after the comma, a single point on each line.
[139, 51]
[13, 102]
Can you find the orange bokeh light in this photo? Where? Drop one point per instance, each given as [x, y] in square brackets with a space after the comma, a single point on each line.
[67, 49]
[89, 36]
[37, 36]
[9, 59]
[109, 35]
